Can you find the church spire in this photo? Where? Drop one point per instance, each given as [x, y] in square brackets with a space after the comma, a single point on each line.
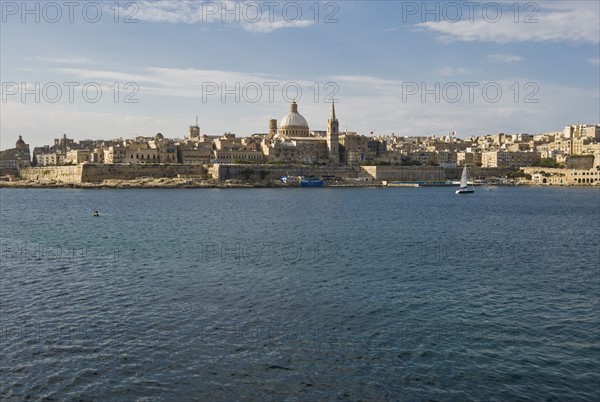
[332, 114]
[333, 128]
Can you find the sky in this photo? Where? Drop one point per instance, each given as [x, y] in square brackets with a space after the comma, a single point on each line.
[104, 70]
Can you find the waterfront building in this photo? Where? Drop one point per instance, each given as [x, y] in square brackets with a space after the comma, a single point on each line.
[564, 177]
[194, 153]
[115, 154]
[77, 156]
[140, 153]
[506, 159]
[228, 149]
[96, 155]
[468, 157]
[358, 149]
[352, 149]
[58, 154]
[427, 158]
[446, 159]
[11, 160]
[49, 159]
[166, 149]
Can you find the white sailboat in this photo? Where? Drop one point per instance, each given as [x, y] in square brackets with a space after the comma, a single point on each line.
[464, 187]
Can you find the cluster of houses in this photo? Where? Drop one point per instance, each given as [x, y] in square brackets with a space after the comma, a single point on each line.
[290, 141]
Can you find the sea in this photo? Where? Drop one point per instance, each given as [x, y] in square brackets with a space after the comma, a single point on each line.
[297, 294]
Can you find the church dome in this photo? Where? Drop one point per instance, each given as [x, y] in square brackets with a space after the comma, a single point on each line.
[21, 143]
[293, 118]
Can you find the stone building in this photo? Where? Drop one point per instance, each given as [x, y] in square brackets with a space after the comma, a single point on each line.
[564, 177]
[468, 157]
[506, 159]
[77, 156]
[194, 153]
[228, 149]
[11, 160]
[291, 142]
[356, 149]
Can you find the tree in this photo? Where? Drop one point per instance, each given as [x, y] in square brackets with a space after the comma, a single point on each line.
[246, 173]
[548, 163]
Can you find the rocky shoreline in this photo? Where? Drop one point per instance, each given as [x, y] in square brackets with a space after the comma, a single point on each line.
[153, 183]
[169, 183]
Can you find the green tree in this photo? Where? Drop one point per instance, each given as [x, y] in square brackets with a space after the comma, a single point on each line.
[246, 173]
[548, 163]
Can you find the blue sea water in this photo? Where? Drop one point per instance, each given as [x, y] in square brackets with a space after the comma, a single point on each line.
[300, 294]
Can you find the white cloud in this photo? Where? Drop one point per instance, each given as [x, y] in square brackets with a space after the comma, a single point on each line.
[251, 16]
[265, 26]
[365, 80]
[595, 61]
[556, 22]
[370, 103]
[451, 71]
[505, 58]
[62, 60]
[171, 98]
[185, 83]
[50, 122]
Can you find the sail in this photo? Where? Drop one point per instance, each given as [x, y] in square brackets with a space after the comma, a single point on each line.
[463, 178]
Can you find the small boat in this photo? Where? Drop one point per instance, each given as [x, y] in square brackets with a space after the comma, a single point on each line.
[464, 187]
[95, 213]
[311, 182]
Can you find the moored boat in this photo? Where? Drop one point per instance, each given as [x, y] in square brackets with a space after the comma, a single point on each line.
[311, 182]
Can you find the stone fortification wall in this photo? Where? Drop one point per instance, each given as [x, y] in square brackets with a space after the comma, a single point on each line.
[400, 173]
[429, 173]
[98, 173]
[405, 173]
[253, 172]
[66, 174]
[92, 173]
[580, 162]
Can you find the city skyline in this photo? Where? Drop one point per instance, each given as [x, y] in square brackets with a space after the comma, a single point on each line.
[400, 68]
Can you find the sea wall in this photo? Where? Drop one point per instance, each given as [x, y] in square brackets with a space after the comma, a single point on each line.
[260, 172]
[96, 173]
[401, 173]
[429, 173]
[405, 173]
[66, 174]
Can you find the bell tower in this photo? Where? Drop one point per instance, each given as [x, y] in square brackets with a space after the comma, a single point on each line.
[194, 131]
[333, 132]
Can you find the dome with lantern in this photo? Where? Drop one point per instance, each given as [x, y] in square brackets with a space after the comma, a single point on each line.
[293, 124]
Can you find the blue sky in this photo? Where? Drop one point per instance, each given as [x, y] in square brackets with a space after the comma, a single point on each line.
[409, 68]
